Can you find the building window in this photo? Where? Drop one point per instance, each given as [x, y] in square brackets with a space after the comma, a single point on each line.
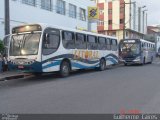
[110, 22]
[29, 2]
[60, 7]
[46, 4]
[101, 11]
[82, 14]
[121, 21]
[110, 11]
[72, 11]
[114, 34]
[122, 10]
[100, 23]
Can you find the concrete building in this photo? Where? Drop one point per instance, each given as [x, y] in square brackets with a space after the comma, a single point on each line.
[112, 16]
[67, 13]
[153, 34]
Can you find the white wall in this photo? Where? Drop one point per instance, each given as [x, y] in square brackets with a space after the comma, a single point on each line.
[28, 14]
[158, 44]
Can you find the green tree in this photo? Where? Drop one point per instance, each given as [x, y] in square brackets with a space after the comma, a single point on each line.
[1, 46]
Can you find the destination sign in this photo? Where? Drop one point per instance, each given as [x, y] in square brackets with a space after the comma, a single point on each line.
[26, 28]
[129, 41]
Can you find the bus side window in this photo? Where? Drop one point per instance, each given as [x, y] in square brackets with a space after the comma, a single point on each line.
[92, 42]
[51, 40]
[80, 42]
[142, 45]
[108, 44]
[114, 45]
[68, 39]
[102, 43]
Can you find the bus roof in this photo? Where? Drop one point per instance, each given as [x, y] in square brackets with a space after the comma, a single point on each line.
[43, 25]
[142, 40]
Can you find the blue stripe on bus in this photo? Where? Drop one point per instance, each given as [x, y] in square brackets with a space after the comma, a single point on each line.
[51, 65]
[114, 60]
[77, 65]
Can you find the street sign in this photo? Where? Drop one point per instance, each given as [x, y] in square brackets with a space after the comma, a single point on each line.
[93, 13]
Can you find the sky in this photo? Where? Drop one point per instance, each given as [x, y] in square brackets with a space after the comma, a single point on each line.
[153, 7]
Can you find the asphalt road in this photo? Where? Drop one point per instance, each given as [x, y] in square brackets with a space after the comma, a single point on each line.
[110, 91]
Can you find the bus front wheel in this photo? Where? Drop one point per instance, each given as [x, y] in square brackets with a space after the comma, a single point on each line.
[65, 69]
[102, 65]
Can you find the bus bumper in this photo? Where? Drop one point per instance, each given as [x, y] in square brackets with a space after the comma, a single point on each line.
[35, 67]
[132, 62]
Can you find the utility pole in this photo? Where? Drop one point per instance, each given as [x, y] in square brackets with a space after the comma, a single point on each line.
[134, 16]
[144, 21]
[7, 17]
[139, 19]
[124, 20]
[124, 16]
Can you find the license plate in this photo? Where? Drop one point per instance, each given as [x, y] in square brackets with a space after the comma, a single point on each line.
[21, 67]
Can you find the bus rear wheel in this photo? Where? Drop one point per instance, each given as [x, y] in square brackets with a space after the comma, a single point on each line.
[102, 65]
[65, 69]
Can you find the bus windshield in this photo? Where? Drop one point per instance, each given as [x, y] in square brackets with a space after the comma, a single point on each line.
[25, 44]
[130, 48]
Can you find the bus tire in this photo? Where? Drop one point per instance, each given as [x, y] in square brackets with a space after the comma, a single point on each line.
[65, 69]
[102, 64]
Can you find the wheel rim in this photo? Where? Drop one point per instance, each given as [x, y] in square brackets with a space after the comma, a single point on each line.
[65, 69]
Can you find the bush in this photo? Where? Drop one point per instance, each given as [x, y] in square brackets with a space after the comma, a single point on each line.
[1, 46]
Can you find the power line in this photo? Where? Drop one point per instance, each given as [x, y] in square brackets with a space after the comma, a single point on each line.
[14, 21]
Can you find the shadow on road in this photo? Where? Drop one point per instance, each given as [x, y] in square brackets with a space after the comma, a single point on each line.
[137, 65]
[49, 77]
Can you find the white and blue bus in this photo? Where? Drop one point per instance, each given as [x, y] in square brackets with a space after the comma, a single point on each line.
[136, 51]
[39, 48]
